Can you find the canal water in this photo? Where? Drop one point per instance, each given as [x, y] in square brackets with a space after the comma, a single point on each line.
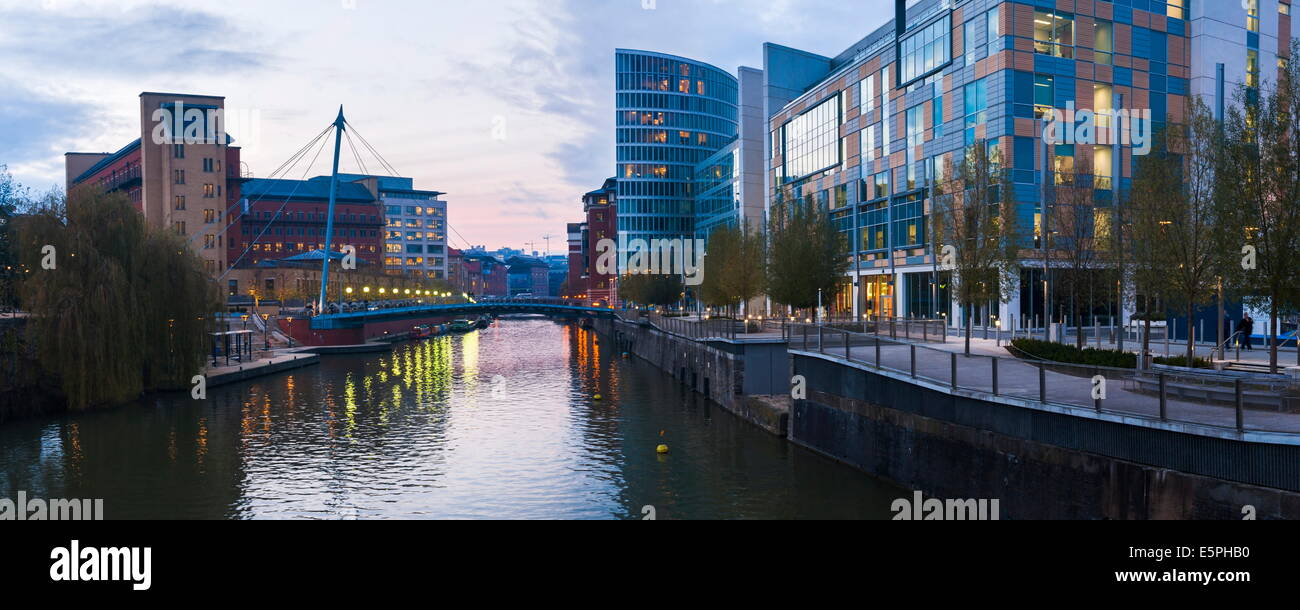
[499, 423]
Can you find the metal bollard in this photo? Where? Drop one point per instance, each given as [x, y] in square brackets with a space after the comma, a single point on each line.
[995, 376]
[1164, 395]
[1042, 383]
[913, 360]
[1241, 402]
[954, 370]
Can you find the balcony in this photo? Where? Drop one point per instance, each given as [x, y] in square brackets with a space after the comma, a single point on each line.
[123, 179]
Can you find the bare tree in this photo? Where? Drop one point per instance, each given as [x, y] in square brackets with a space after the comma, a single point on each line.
[975, 215]
[1258, 196]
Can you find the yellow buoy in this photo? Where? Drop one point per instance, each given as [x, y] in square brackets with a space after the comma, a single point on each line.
[596, 397]
[661, 449]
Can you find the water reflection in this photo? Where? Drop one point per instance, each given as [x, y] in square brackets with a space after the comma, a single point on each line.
[499, 423]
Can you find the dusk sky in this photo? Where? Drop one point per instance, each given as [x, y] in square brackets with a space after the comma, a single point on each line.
[424, 81]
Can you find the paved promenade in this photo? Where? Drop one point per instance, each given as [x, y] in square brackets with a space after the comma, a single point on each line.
[1020, 379]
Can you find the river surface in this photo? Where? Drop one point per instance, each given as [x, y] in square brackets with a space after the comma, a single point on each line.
[498, 423]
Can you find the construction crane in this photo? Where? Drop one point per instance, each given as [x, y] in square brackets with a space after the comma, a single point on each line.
[548, 237]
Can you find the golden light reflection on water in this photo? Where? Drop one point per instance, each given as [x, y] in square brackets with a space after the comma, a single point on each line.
[469, 346]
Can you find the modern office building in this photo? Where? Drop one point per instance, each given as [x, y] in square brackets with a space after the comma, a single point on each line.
[415, 242]
[672, 114]
[182, 172]
[728, 186]
[866, 133]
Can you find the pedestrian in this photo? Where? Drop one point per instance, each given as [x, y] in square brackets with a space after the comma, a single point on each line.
[1245, 328]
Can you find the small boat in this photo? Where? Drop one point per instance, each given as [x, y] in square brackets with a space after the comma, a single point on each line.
[483, 322]
[423, 331]
[462, 326]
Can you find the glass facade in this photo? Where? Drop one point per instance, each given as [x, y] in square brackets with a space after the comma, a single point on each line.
[810, 143]
[672, 114]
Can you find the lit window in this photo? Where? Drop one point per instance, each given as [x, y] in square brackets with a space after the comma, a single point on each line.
[1044, 96]
[1252, 15]
[1175, 8]
[1054, 34]
[1103, 41]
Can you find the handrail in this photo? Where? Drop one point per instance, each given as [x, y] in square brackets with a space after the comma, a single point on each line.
[1132, 384]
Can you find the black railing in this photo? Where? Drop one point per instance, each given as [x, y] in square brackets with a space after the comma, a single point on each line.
[1208, 399]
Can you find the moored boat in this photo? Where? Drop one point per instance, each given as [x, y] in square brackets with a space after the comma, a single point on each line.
[461, 326]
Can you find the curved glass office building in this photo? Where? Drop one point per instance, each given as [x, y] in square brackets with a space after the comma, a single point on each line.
[673, 113]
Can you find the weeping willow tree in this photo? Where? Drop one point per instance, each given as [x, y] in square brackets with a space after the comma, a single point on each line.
[124, 309]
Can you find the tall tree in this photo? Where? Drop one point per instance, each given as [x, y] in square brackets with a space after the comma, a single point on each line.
[1258, 196]
[734, 267]
[723, 253]
[1081, 231]
[975, 214]
[1175, 221]
[117, 308]
[806, 255]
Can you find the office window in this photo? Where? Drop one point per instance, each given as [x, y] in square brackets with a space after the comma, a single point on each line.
[1063, 163]
[1101, 167]
[915, 125]
[1103, 37]
[867, 93]
[1252, 68]
[868, 143]
[178, 175]
[1252, 15]
[1175, 8]
[178, 151]
[993, 18]
[885, 120]
[976, 103]
[925, 51]
[1284, 8]
[812, 140]
[1044, 96]
[180, 202]
[938, 116]
[1103, 103]
[971, 29]
[1054, 34]
[880, 185]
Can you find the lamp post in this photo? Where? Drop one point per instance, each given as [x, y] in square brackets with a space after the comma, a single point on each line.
[266, 324]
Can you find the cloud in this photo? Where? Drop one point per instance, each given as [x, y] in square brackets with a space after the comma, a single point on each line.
[33, 126]
[136, 41]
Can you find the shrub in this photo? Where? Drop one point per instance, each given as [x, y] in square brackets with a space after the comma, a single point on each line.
[1197, 362]
[1059, 352]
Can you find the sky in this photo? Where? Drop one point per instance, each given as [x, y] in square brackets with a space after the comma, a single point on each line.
[507, 106]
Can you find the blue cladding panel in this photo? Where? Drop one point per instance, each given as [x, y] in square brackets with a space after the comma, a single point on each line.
[1124, 77]
[1022, 87]
[1141, 42]
[1123, 14]
[1064, 91]
[1159, 46]
[1157, 82]
[1024, 155]
[1177, 27]
[1158, 107]
[1177, 86]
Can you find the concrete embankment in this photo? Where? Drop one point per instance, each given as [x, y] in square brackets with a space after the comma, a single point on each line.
[747, 378]
[1040, 461]
[281, 362]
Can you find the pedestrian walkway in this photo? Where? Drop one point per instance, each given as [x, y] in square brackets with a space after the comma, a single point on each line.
[1058, 384]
